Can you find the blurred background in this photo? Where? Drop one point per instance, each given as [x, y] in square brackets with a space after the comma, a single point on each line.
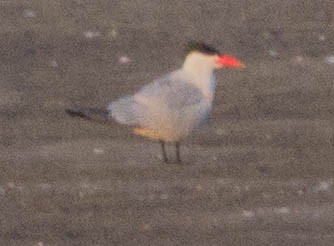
[261, 172]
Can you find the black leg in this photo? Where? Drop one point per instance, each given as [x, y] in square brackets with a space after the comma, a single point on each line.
[178, 157]
[164, 155]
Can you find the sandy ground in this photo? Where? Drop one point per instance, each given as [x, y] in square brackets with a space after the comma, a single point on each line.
[260, 173]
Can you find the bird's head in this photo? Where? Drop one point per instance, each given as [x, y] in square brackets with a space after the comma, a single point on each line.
[207, 56]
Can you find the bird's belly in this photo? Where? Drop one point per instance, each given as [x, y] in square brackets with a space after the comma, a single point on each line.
[173, 125]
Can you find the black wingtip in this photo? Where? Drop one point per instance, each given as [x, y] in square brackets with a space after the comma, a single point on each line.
[75, 113]
[94, 114]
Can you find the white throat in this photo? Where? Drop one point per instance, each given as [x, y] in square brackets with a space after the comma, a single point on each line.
[199, 69]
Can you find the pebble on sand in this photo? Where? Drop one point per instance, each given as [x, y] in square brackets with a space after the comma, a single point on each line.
[298, 60]
[11, 185]
[248, 213]
[273, 53]
[124, 60]
[28, 13]
[98, 151]
[91, 34]
[323, 186]
[2, 191]
[113, 33]
[266, 35]
[164, 196]
[329, 59]
[300, 192]
[54, 63]
[322, 37]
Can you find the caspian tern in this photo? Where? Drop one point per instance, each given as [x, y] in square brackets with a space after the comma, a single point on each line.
[170, 107]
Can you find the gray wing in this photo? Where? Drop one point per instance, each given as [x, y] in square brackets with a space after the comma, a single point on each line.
[169, 95]
[171, 90]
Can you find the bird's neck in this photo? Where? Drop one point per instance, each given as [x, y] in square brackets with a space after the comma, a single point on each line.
[201, 76]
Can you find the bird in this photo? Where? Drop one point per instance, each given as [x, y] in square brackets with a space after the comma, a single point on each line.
[169, 108]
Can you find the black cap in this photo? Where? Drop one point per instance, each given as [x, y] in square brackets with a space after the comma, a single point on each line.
[201, 47]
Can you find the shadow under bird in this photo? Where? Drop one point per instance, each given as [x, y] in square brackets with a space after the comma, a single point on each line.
[170, 107]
